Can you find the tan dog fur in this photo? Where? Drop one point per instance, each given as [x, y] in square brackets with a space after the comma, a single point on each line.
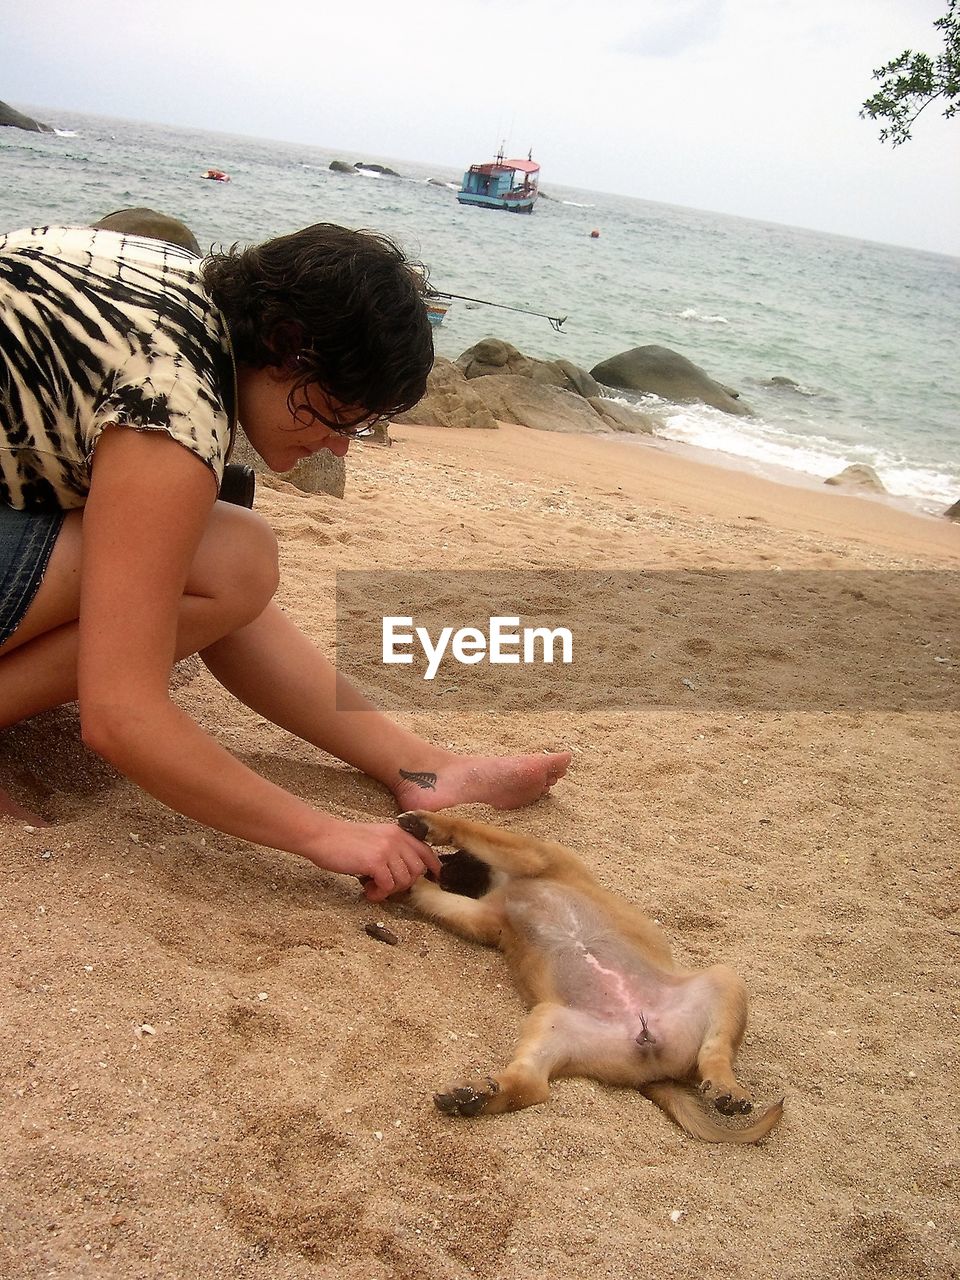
[606, 999]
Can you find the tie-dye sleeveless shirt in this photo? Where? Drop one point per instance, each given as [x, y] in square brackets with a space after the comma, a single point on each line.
[99, 328]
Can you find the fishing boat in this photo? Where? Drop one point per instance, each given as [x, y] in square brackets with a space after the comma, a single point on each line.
[502, 184]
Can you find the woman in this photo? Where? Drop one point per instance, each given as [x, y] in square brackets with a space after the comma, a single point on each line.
[124, 366]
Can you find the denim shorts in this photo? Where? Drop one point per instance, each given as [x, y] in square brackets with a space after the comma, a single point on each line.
[26, 540]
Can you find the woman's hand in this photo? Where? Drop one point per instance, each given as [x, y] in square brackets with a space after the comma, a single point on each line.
[381, 854]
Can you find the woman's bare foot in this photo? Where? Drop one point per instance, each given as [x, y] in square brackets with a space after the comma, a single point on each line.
[505, 782]
[9, 808]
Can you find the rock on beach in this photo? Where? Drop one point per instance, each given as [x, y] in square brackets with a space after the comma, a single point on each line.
[503, 385]
[450, 401]
[858, 476]
[322, 472]
[493, 355]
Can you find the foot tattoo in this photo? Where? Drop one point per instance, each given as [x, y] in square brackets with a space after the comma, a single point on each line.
[426, 781]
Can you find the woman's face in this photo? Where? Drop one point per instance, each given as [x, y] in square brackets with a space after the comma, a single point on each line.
[282, 439]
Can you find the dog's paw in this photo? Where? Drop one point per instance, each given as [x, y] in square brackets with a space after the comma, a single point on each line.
[415, 824]
[467, 1099]
[729, 1100]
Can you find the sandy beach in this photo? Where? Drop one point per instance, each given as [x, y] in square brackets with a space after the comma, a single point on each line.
[210, 1070]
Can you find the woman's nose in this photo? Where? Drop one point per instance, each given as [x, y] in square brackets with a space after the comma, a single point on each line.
[337, 444]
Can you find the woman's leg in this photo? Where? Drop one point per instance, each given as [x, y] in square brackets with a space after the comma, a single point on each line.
[263, 658]
[232, 579]
[277, 671]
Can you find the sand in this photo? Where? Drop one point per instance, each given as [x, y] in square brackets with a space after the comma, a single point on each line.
[210, 1070]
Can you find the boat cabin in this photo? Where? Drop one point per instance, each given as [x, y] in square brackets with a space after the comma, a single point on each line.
[502, 184]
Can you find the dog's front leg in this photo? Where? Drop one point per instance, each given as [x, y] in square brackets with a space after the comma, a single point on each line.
[472, 918]
[542, 1052]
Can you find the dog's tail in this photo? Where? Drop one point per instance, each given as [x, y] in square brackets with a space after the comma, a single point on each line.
[685, 1107]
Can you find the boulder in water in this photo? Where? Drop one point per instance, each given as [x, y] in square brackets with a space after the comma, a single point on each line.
[377, 168]
[662, 372]
[17, 120]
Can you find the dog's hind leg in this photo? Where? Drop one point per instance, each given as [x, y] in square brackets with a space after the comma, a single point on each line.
[726, 1021]
[503, 850]
[542, 1053]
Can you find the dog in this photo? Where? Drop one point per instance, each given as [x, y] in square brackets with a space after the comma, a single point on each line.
[606, 999]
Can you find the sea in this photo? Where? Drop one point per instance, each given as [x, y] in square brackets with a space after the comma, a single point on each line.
[861, 337]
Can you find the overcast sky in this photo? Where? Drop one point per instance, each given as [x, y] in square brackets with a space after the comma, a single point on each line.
[743, 106]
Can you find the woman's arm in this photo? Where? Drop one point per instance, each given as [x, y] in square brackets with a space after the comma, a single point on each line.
[149, 504]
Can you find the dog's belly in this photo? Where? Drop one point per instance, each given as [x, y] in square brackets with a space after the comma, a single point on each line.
[597, 973]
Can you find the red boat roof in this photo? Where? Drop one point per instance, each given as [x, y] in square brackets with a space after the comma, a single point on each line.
[519, 166]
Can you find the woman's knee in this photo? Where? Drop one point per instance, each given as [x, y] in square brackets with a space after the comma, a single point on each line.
[238, 563]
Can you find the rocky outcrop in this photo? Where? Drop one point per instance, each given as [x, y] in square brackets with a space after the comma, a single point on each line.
[150, 223]
[858, 476]
[662, 372]
[493, 356]
[537, 404]
[548, 408]
[622, 417]
[17, 120]
[450, 401]
[341, 166]
[953, 513]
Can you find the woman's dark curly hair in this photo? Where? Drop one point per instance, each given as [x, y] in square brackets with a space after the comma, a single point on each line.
[342, 309]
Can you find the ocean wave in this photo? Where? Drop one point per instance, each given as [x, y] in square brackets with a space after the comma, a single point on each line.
[811, 454]
[66, 133]
[690, 313]
[575, 204]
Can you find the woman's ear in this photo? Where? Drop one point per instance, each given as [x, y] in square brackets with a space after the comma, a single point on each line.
[286, 343]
